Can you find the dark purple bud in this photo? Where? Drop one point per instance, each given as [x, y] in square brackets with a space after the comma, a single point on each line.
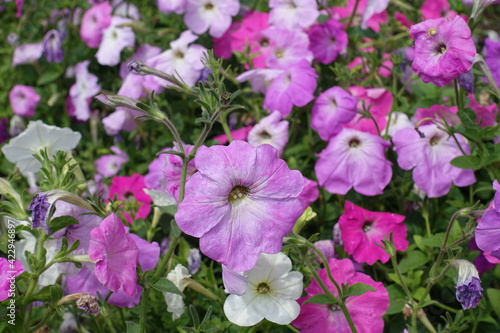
[466, 81]
[39, 207]
[134, 67]
[470, 294]
[52, 46]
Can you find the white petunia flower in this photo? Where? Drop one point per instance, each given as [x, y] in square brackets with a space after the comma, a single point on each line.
[179, 276]
[270, 293]
[38, 136]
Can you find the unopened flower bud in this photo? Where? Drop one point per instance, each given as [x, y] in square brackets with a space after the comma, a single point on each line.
[469, 290]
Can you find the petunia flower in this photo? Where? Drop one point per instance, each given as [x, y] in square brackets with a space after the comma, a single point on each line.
[109, 165]
[362, 232]
[444, 49]
[116, 255]
[398, 120]
[9, 270]
[332, 108]
[434, 9]
[288, 47]
[172, 6]
[83, 90]
[24, 100]
[372, 8]
[27, 53]
[194, 261]
[293, 14]
[115, 38]
[350, 160]
[373, 22]
[271, 292]
[309, 194]
[179, 276]
[270, 130]
[492, 57]
[488, 229]
[237, 134]
[36, 137]
[52, 46]
[327, 41]
[485, 115]
[212, 15]
[429, 156]
[449, 114]
[94, 21]
[241, 202]
[469, 290]
[120, 120]
[365, 310]
[131, 188]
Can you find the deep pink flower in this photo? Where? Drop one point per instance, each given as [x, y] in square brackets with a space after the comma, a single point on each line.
[372, 22]
[351, 160]
[242, 201]
[270, 130]
[434, 9]
[373, 7]
[385, 69]
[9, 270]
[94, 21]
[332, 108]
[377, 101]
[309, 194]
[327, 40]
[444, 49]
[429, 157]
[127, 188]
[362, 231]
[438, 112]
[212, 15]
[486, 115]
[222, 45]
[116, 254]
[23, 100]
[293, 14]
[120, 120]
[237, 134]
[366, 310]
[492, 58]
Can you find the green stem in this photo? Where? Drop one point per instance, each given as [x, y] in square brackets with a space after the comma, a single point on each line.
[175, 134]
[144, 311]
[45, 318]
[353, 14]
[227, 131]
[400, 278]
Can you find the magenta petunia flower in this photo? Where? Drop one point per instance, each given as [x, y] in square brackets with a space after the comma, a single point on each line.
[365, 310]
[129, 188]
[241, 202]
[270, 130]
[116, 254]
[94, 21]
[492, 58]
[444, 49]
[23, 100]
[212, 15]
[429, 157]
[434, 9]
[332, 108]
[485, 115]
[449, 114]
[310, 193]
[237, 134]
[9, 270]
[362, 232]
[293, 14]
[328, 40]
[350, 160]
[373, 21]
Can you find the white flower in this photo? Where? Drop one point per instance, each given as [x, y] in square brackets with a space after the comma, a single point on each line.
[179, 276]
[38, 136]
[270, 293]
[115, 38]
[270, 130]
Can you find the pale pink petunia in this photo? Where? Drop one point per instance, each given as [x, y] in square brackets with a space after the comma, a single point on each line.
[172, 6]
[293, 14]
[288, 47]
[429, 152]
[109, 165]
[24, 100]
[241, 202]
[212, 15]
[116, 254]
[350, 160]
[270, 130]
[85, 87]
[363, 231]
[115, 38]
[120, 120]
[27, 53]
[365, 310]
[94, 21]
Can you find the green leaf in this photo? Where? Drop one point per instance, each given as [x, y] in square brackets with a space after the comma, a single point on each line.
[494, 298]
[132, 327]
[418, 294]
[167, 286]
[490, 132]
[413, 260]
[49, 76]
[397, 298]
[322, 299]
[61, 222]
[467, 162]
[56, 292]
[358, 289]
[174, 229]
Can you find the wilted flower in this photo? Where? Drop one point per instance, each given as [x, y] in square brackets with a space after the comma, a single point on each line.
[270, 130]
[271, 292]
[23, 100]
[179, 276]
[469, 290]
[241, 202]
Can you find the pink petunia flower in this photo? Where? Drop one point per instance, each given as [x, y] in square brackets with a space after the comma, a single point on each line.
[288, 47]
[350, 160]
[172, 170]
[27, 53]
[94, 21]
[492, 58]
[85, 87]
[116, 254]
[212, 15]
[120, 120]
[241, 202]
[115, 38]
[488, 229]
[434, 9]
[237, 134]
[293, 14]
[365, 310]
[129, 188]
[270, 130]
[363, 231]
[172, 6]
[385, 69]
[444, 49]
[327, 41]
[332, 108]
[449, 114]
[373, 22]
[429, 156]
[109, 165]
[486, 115]
[309, 194]
[23, 100]
[9, 270]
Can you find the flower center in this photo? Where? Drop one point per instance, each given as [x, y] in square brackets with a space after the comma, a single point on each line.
[434, 140]
[279, 54]
[179, 54]
[209, 6]
[263, 288]
[367, 226]
[264, 42]
[354, 142]
[333, 307]
[440, 48]
[238, 193]
[265, 135]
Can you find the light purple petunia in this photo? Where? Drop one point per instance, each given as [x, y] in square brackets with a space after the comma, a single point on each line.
[351, 160]
[444, 49]
[172, 6]
[52, 46]
[492, 57]
[9, 270]
[488, 229]
[94, 21]
[309, 194]
[85, 87]
[327, 40]
[332, 108]
[120, 120]
[212, 15]
[270, 130]
[241, 202]
[293, 14]
[429, 154]
[23, 100]
[109, 165]
[27, 53]
[288, 47]
[116, 254]
[115, 38]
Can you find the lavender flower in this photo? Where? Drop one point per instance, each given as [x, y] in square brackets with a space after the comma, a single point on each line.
[194, 261]
[469, 290]
[52, 46]
[40, 207]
